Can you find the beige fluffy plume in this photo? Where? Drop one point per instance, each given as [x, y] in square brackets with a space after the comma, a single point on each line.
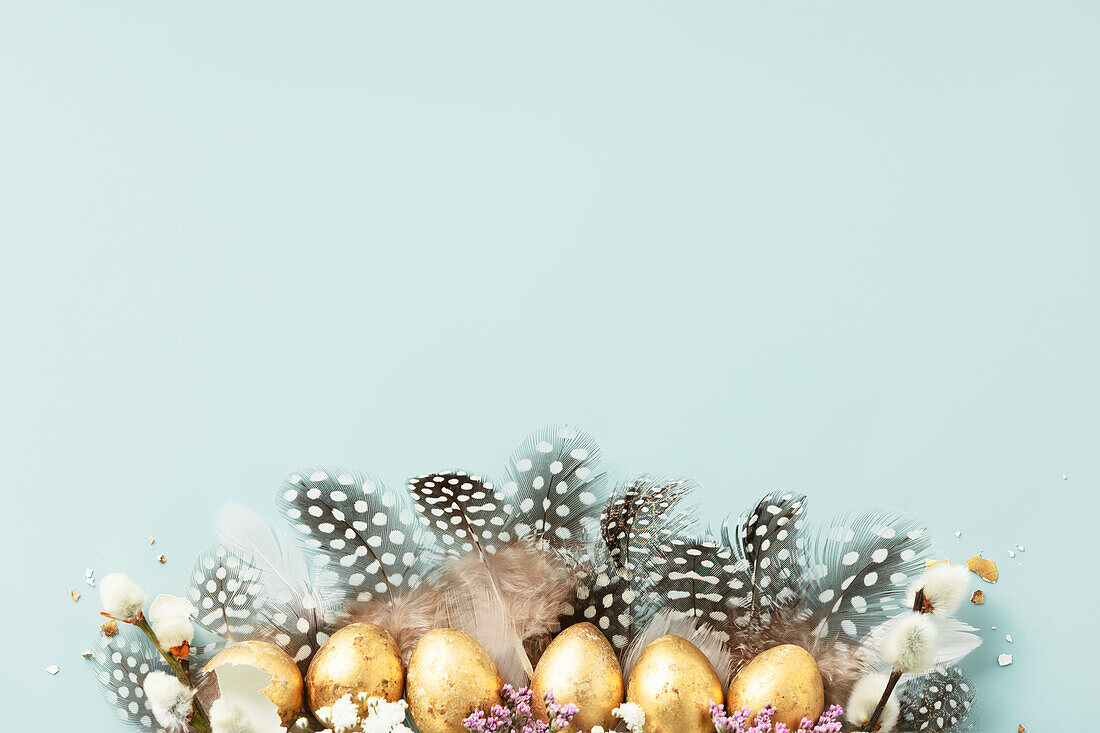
[535, 584]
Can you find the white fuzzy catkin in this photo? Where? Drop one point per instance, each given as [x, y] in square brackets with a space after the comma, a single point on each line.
[121, 597]
[170, 617]
[910, 644]
[864, 699]
[945, 587]
[169, 699]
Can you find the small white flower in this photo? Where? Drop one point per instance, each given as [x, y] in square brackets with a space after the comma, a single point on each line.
[632, 715]
[344, 714]
[170, 617]
[864, 699]
[383, 716]
[121, 597]
[910, 644]
[945, 586]
[169, 699]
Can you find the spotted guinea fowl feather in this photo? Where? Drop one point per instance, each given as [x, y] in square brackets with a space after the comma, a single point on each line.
[121, 666]
[227, 593]
[619, 592]
[769, 553]
[859, 568]
[364, 540]
[940, 701]
[553, 488]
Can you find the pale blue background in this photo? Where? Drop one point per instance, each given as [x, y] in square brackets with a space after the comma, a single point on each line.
[848, 249]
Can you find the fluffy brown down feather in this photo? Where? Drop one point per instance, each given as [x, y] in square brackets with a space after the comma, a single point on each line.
[535, 583]
[840, 662]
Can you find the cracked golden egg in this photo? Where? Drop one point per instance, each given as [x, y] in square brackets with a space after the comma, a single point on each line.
[285, 689]
[580, 667]
[450, 675]
[674, 683]
[786, 676]
[358, 658]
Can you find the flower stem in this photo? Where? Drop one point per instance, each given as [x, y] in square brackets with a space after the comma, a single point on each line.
[199, 722]
[895, 675]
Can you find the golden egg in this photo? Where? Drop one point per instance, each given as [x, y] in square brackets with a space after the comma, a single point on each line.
[285, 688]
[580, 667]
[788, 678]
[450, 675]
[357, 658]
[674, 683]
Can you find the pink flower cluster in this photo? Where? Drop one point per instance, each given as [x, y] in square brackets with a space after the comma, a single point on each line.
[743, 721]
[515, 715]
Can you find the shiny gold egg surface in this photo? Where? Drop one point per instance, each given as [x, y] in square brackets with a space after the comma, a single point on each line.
[450, 674]
[580, 667]
[285, 689]
[786, 676]
[674, 683]
[358, 658]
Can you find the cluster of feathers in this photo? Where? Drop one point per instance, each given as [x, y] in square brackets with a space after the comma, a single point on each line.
[550, 543]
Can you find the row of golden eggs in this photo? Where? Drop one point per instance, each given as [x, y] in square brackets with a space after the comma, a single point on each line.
[450, 674]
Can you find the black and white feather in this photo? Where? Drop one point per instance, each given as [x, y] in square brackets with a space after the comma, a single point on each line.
[121, 666]
[227, 594]
[769, 548]
[621, 592]
[553, 488]
[940, 701]
[464, 512]
[364, 540]
[860, 566]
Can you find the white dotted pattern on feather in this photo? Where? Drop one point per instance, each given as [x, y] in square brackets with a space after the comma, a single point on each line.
[618, 592]
[121, 666]
[365, 540]
[939, 701]
[552, 484]
[861, 565]
[226, 594]
[461, 510]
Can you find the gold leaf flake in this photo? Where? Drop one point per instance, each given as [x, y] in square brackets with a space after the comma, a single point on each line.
[978, 598]
[929, 562]
[162, 559]
[1021, 729]
[984, 567]
[109, 629]
[152, 540]
[87, 653]
[74, 594]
